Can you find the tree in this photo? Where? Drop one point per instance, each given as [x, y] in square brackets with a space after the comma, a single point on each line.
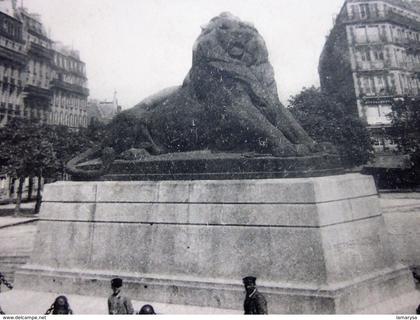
[405, 130]
[326, 119]
[25, 152]
[29, 149]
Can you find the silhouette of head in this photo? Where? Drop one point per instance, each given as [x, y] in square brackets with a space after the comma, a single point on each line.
[60, 305]
[116, 284]
[147, 309]
[250, 284]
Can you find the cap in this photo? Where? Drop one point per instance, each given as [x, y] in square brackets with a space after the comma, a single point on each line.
[147, 309]
[249, 280]
[116, 282]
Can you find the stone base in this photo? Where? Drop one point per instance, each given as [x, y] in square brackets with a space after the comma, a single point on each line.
[317, 245]
[216, 166]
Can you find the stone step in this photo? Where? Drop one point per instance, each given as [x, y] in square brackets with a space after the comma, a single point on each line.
[9, 276]
[9, 264]
[13, 259]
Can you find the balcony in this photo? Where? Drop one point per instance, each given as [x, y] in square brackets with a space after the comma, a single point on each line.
[40, 51]
[384, 99]
[56, 83]
[377, 65]
[412, 46]
[13, 56]
[37, 92]
[382, 16]
[80, 74]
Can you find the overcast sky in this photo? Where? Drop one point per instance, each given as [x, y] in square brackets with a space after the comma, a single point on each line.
[138, 47]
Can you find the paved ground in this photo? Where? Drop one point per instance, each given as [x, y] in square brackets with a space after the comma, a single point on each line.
[17, 240]
[401, 202]
[21, 302]
[9, 209]
[9, 221]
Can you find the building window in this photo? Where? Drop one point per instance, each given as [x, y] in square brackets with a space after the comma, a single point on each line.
[378, 114]
[378, 54]
[373, 33]
[381, 84]
[368, 86]
[364, 11]
[365, 53]
[360, 34]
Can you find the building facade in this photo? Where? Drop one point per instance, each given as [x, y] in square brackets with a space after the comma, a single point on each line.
[69, 89]
[13, 62]
[103, 111]
[40, 79]
[371, 58]
[37, 93]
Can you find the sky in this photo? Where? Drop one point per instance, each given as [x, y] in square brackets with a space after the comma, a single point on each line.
[138, 47]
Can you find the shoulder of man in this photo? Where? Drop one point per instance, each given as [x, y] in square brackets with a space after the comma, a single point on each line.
[259, 296]
[125, 298]
[260, 299]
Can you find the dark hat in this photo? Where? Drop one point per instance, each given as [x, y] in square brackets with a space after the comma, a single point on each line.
[116, 282]
[249, 280]
[147, 309]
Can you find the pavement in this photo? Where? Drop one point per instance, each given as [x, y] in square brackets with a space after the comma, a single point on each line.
[400, 202]
[22, 302]
[26, 208]
[17, 236]
[10, 221]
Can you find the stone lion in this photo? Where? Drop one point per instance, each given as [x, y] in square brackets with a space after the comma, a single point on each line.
[228, 102]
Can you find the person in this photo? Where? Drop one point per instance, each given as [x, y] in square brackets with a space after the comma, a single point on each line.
[147, 309]
[418, 310]
[117, 302]
[255, 302]
[60, 306]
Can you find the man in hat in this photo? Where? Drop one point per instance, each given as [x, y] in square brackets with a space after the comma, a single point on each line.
[255, 302]
[117, 302]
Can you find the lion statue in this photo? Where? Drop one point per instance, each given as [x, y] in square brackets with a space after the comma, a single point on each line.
[228, 102]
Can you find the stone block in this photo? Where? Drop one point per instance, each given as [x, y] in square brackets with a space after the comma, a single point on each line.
[317, 245]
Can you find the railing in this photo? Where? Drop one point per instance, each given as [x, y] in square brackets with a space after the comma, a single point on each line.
[411, 45]
[13, 56]
[382, 16]
[373, 65]
[70, 87]
[33, 91]
[41, 51]
[80, 74]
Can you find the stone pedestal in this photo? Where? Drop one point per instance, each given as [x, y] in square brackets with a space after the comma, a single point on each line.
[317, 245]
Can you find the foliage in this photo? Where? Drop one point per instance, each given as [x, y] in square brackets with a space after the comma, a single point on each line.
[405, 129]
[25, 150]
[67, 142]
[29, 149]
[326, 119]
